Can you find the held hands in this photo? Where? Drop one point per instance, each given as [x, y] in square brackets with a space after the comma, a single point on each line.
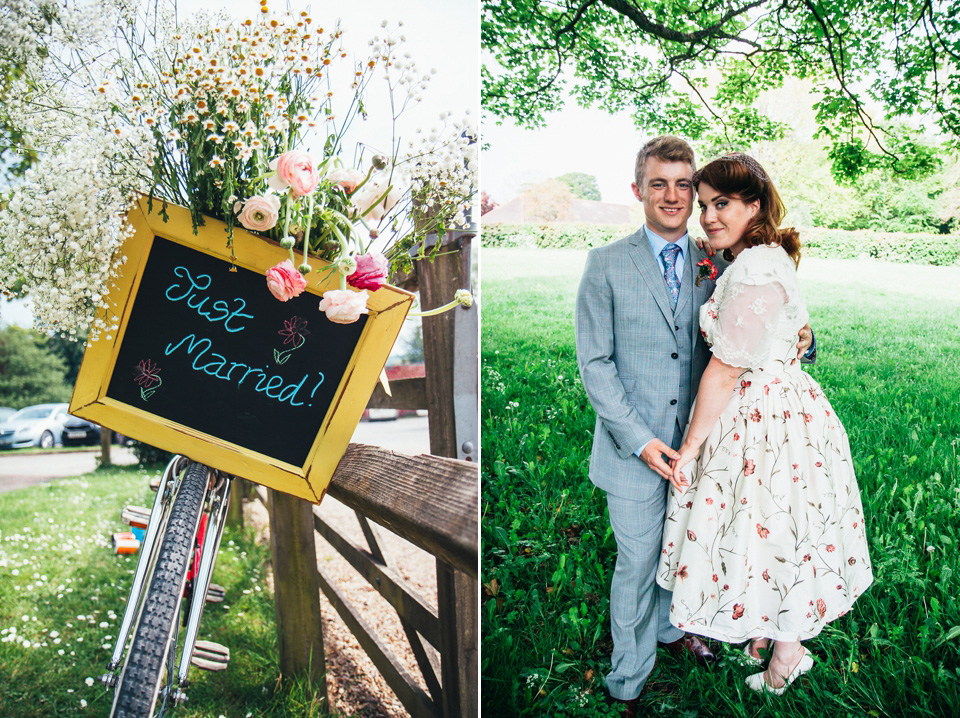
[678, 480]
[805, 341]
[652, 456]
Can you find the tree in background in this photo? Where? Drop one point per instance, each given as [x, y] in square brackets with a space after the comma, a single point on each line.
[696, 67]
[879, 201]
[547, 201]
[486, 203]
[413, 348]
[29, 372]
[582, 185]
[71, 352]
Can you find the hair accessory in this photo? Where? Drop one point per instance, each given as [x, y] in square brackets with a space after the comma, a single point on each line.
[747, 161]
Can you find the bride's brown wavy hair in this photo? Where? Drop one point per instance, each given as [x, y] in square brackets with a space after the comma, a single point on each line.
[740, 176]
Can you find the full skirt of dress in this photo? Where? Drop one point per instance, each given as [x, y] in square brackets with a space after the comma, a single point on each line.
[769, 539]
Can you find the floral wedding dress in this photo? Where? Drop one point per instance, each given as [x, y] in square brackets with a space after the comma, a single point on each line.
[769, 539]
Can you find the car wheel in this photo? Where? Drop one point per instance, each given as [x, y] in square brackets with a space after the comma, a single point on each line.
[46, 440]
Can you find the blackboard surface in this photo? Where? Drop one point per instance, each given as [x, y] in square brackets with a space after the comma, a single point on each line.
[213, 350]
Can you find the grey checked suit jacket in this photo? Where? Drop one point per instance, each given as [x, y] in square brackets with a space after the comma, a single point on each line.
[625, 333]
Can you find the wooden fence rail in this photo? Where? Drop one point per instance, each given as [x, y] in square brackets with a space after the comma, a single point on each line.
[431, 502]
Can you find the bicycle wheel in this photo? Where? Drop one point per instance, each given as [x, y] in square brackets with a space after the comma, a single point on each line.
[139, 683]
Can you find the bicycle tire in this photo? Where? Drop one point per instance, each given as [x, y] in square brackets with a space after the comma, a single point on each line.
[139, 682]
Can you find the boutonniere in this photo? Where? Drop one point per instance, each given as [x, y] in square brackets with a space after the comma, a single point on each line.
[705, 270]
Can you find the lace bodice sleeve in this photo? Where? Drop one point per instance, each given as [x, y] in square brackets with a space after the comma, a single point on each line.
[740, 321]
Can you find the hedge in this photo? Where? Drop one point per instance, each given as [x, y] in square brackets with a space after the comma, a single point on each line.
[936, 249]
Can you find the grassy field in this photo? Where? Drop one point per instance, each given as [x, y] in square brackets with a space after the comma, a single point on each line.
[889, 338]
[62, 593]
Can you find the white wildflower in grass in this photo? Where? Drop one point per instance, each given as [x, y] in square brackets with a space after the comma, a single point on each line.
[88, 680]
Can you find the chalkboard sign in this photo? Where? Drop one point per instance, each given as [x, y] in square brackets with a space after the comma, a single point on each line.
[207, 363]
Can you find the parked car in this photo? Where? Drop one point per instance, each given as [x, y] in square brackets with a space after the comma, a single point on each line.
[79, 432]
[380, 414]
[39, 425]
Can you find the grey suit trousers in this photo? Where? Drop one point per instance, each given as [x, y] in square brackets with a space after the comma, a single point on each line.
[639, 607]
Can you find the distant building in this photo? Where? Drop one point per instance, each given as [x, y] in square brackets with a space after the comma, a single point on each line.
[584, 211]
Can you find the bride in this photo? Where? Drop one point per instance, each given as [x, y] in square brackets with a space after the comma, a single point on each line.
[764, 538]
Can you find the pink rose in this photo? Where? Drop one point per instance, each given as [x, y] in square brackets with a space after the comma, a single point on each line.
[343, 306]
[285, 281]
[371, 271]
[259, 212]
[364, 199]
[348, 179]
[294, 170]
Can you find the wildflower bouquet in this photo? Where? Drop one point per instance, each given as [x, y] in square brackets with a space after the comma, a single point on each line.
[217, 116]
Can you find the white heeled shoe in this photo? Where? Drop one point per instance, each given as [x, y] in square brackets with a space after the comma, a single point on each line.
[757, 683]
[745, 658]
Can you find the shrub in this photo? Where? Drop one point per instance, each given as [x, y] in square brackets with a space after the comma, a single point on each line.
[560, 235]
[936, 249]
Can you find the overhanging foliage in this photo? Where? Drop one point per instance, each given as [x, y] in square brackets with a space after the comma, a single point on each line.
[659, 61]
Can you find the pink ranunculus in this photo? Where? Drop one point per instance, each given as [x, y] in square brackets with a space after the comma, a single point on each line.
[258, 213]
[285, 281]
[367, 195]
[295, 169]
[371, 271]
[343, 306]
[348, 178]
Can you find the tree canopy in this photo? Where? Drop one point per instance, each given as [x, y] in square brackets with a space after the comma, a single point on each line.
[696, 68]
[29, 372]
[582, 185]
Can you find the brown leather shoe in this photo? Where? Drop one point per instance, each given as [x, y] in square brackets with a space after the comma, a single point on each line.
[695, 646]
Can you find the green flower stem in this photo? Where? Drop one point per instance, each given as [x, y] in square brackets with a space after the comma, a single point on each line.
[363, 182]
[462, 296]
[286, 224]
[344, 253]
[379, 200]
[306, 234]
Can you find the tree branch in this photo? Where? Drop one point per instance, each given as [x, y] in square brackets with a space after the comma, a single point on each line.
[642, 21]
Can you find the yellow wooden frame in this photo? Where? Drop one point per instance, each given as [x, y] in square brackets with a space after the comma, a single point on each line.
[388, 308]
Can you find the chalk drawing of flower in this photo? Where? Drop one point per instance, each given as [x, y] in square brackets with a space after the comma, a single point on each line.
[147, 375]
[294, 333]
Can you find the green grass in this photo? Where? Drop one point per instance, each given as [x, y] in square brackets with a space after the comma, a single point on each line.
[51, 450]
[62, 593]
[890, 365]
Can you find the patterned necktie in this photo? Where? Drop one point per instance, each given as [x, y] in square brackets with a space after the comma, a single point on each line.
[669, 257]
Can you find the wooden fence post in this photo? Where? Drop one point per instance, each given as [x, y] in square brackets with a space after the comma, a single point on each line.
[105, 436]
[450, 356]
[235, 510]
[297, 590]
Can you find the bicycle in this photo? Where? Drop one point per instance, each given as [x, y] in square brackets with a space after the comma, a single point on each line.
[171, 581]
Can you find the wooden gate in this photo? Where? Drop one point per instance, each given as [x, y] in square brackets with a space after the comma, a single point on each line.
[431, 501]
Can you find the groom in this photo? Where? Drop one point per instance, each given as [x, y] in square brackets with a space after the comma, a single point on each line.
[640, 358]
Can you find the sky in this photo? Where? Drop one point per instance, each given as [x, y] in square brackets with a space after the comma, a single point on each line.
[440, 34]
[574, 140]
